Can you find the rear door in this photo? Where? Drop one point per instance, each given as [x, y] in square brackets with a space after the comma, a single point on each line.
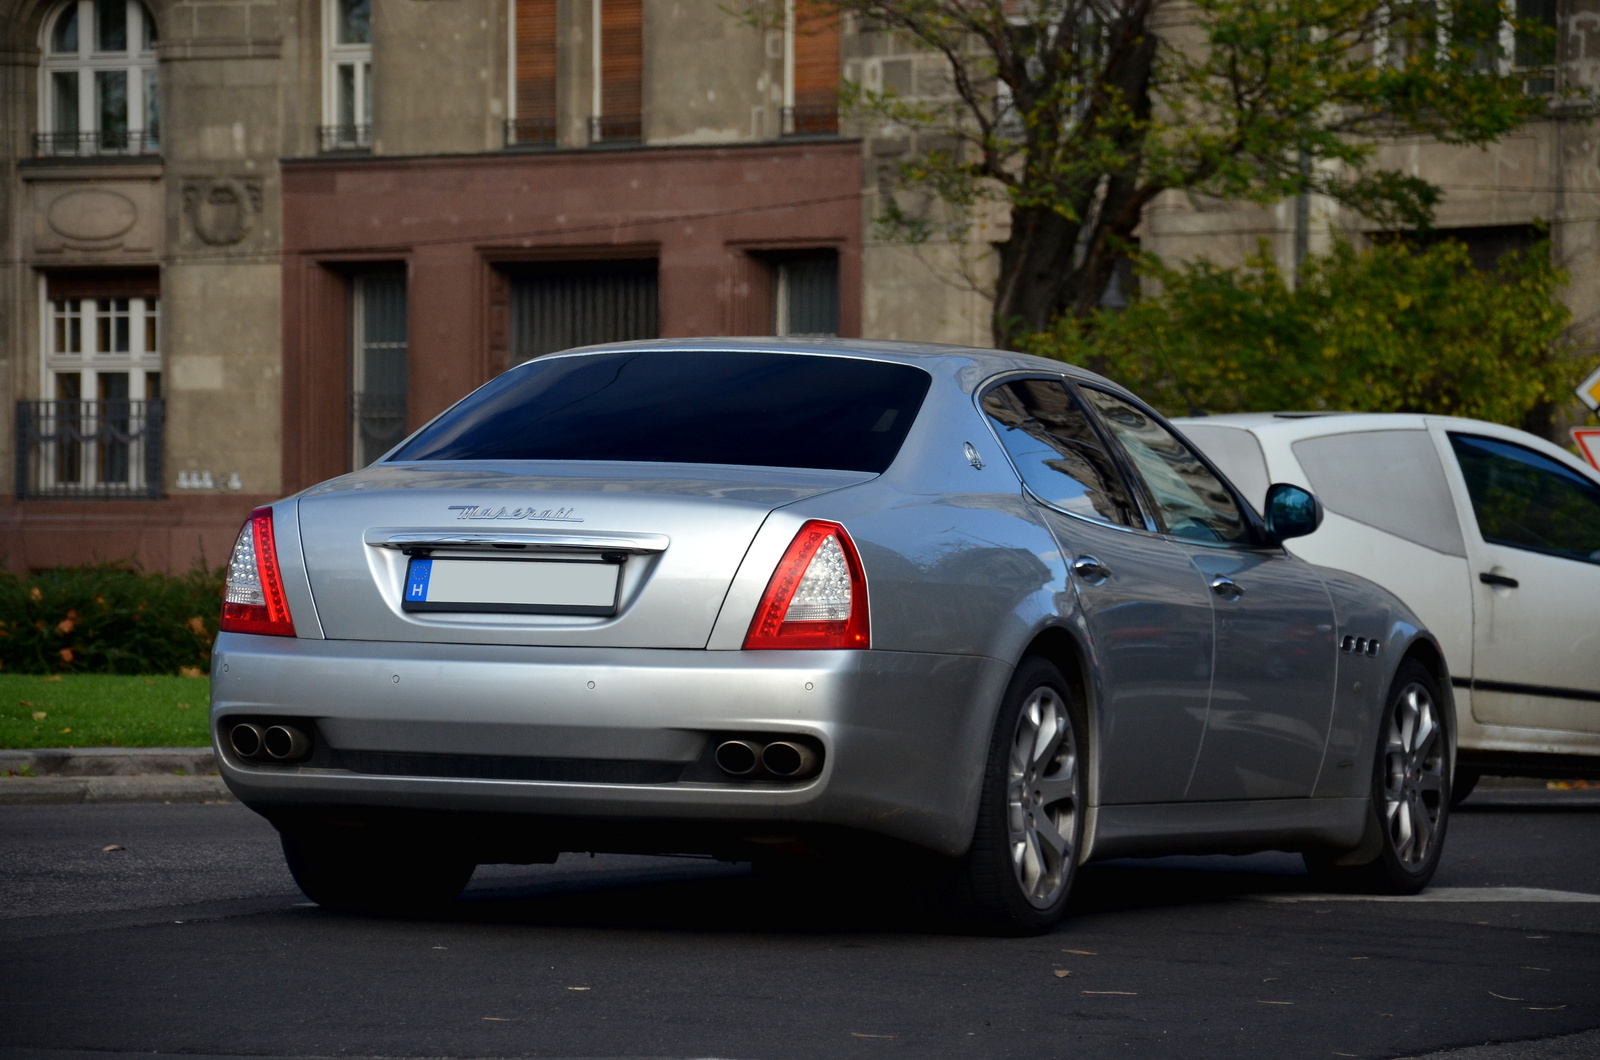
[1273, 678]
[1534, 542]
[1148, 611]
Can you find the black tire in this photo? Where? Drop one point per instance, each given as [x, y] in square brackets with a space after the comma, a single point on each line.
[1409, 808]
[366, 876]
[1016, 876]
[1462, 784]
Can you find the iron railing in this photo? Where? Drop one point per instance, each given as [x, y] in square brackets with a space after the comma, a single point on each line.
[96, 450]
[812, 120]
[530, 132]
[95, 144]
[616, 129]
[332, 138]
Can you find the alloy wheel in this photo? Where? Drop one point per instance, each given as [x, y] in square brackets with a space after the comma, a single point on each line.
[1042, 797]
[1414, 783]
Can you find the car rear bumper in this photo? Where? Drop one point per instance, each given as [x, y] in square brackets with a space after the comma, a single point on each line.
[903, 735]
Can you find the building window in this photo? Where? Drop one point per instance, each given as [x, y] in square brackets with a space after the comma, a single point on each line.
[533, 115]
[97, 431]
[618, 103]
[377, 364]
[99, 81]
[1533, 46]
[557, 306]
[347, 82]
[805, 294]
[811, 71]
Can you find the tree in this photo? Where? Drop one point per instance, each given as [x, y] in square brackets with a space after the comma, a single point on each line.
[1075, 114]
[1391, 329]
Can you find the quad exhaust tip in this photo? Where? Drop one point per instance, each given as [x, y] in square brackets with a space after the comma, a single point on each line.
[785, 759]
[253, 741]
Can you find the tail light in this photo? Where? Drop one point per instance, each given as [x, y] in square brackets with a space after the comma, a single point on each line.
[253, 600]
[817, 597]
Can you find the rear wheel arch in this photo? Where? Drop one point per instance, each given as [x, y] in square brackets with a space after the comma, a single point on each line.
[1066, 653]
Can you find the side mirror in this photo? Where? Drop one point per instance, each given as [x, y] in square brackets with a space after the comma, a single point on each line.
[1292, 511]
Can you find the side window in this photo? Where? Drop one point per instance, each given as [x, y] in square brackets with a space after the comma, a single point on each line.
[1192, 501]
[1525, 500]
[1391, 480]
[1058, 453]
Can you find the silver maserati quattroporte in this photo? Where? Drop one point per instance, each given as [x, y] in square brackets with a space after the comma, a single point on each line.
[745, 597]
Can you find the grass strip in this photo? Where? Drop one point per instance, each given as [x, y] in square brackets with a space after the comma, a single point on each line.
[102, 710]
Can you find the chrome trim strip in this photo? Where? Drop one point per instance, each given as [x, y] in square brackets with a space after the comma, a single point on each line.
[637, 544]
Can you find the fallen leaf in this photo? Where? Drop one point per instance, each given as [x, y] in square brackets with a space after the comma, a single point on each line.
[66, 730]
[1082, 953]
[183, 706]
[1546, 1008]
[24, 702]
[1261, 1002]
[1360, 958]
[497, 1019]
[1118, 993]
[189, 671]
[39, 715]
[107, 850]
[578, 988]
[858, 1034]
[1530, 936]
[52, 677]
[149, 680]
[1502, 997]
[1062, 973]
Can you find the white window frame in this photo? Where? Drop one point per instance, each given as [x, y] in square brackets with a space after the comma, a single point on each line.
[340, 135]
[139, 362]
[137, 62]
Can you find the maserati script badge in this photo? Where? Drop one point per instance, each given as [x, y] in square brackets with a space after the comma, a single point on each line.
[538, 515]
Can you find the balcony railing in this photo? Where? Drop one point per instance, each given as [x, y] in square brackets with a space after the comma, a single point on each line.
[616, 129]
[811, 120]
[93, 450]
[96, 144]
[530, 132]
[334, 138]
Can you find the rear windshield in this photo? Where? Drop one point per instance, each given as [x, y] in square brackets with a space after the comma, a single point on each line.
[724, 407]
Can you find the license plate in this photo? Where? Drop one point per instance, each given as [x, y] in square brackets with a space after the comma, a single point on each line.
[512, 586]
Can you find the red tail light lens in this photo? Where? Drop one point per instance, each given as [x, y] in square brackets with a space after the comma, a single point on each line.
[817, 597]
[253, 600]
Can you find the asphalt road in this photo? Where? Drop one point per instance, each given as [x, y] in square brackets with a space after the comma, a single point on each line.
[190, 939]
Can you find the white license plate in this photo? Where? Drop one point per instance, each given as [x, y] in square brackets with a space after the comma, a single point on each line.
[512, 586]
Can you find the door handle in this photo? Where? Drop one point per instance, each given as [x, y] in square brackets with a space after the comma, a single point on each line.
[1090, 570]
[1226, 588]
[1497, 579]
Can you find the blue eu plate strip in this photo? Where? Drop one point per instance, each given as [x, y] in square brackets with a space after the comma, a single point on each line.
[417, 580]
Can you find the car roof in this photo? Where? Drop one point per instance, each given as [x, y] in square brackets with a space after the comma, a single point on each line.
[926, 355]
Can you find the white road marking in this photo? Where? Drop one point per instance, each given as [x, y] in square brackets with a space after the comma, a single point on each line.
[1442, 894]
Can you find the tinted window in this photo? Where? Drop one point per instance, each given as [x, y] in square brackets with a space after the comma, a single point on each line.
[723, 407]
[1057, 452]
[1391, 480]
[1237, 453]
[1525, 500]
[1192, 501]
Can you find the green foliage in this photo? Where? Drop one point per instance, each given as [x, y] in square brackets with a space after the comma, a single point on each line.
[108, 620]
[1391, 329]
[93, 710]
[1072, 115]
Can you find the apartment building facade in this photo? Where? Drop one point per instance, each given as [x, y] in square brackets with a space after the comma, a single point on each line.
[251, 243]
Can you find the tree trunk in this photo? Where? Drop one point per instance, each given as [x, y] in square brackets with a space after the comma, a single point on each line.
[1035, 270]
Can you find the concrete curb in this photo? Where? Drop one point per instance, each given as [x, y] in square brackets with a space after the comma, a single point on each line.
[108, 761]
[24, 791]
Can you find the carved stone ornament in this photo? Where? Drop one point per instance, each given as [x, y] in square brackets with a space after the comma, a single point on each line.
[92, 215]
[222, 210]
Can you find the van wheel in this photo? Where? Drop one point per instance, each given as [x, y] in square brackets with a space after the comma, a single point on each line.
[371, 877]
[1017, 874]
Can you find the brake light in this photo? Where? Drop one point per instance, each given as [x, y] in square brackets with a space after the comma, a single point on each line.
[817, 597]
[253, 600]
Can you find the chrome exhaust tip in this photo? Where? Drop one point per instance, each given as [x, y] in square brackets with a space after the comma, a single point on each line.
[782, 758]
[738, 758]
[284, 742]
[245, 739]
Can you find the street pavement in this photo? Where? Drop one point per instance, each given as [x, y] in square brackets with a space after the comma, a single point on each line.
[187, 937]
